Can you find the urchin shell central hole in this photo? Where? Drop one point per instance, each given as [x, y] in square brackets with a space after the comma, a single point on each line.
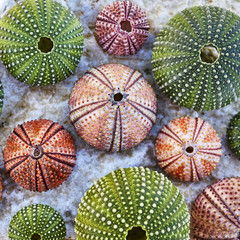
[136, 233]
[45, 44]
[37, 152]
[118, 97]
[209, 54]
[189, 149]
[36, 236]
[126, 26]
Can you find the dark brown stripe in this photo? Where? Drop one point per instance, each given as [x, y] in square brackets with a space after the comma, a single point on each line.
[15, 158]
[47, 131]
[83, 115]
[139, 110]
[210, 153]
[112, 39]
[171, 162]
[210, 149]
[16, 165]
[165, 160]
[195, 128]
[20, 137]
[129, 79]
[62, 154]
[26, 134]
[87, 105]
[99, 79]
[112, 20]
[140, 105]
[199, 131]
[130, 42]
[114, 130]
[54, 133]
[35, 171]
[105, 77]
[191, 170]
[169, 129]
[130, 8]
[43, 177]
[60, 161]
[170, 136]
[220, 210]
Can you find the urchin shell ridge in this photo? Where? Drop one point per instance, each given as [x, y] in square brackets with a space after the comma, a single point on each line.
[179, 68]
[188, 148]
[37, 219]
[215, 213]
[113, 36]
[27, 31]
[113, 107]
[39, 155]
[132, 197]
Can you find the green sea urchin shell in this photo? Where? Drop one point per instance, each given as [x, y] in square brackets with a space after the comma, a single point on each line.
[196, 58]
[41, 42]
[233, 134]
[132, 198]
[37, 221]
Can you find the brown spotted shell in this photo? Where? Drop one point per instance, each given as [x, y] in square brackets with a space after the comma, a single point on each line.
[39, 155]
[122, 28]
[188, 148]
[1, 187]
[113, 107]
[215, 213]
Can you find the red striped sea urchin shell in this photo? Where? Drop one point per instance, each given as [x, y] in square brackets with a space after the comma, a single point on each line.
[39, 155]
[188, 148]
[113, 107]
[216, 212]
[122, 28]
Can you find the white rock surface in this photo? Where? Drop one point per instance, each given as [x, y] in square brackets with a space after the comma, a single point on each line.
[23, 103]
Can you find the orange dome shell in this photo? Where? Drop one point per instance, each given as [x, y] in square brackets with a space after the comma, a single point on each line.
[39, 155]
[188, 148]
[216, 211]
[113, 107]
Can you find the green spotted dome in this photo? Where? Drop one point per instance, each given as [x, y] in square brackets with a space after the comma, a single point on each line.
[41, 42]
[196, 58]
[37, 222]
[233, 134]
[133, 204]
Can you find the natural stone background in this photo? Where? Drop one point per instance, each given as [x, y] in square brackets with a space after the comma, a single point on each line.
[23, 103]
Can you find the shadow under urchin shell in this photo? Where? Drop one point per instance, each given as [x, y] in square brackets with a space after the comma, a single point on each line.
[132, 198]
[37, 221]
[233, 134]
[196, 58]
[41, 42]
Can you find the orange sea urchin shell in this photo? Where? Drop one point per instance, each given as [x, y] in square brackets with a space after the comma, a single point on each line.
[216, 212]
[122, 28]
[188, 148]
[113, 107]
[39, 155]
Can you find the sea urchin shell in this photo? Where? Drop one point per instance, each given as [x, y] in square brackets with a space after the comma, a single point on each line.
[133, 199]
[233, 134]
[188, 148]
[216, 212]
[41, 42]
[196, 58]
[113, 107]
[122, 28]
[37, 222]
[39, 155]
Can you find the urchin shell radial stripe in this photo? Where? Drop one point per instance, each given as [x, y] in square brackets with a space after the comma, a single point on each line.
[196, 58]
[132, 197]
[41, 42]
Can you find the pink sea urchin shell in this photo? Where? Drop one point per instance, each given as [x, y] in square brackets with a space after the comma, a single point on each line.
[122, 28]
[188, 148]
[113, 107]
[39, 155]
[216, 212]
